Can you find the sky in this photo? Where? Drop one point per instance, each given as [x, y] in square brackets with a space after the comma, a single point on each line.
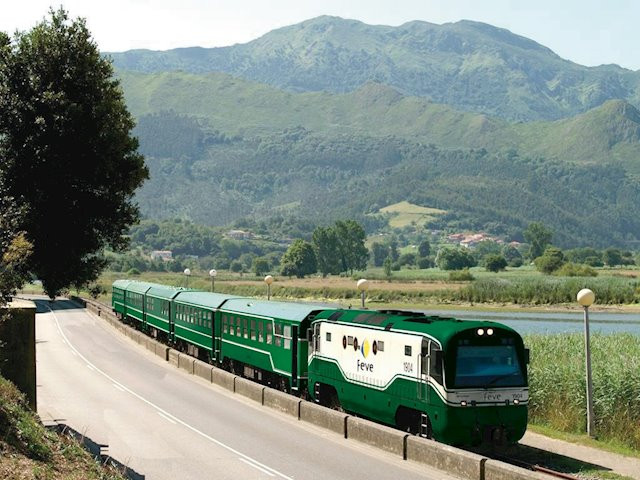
[588, 32]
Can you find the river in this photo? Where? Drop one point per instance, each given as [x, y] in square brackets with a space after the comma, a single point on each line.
[551, 322]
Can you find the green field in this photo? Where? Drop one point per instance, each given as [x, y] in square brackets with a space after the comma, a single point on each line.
[404, 213]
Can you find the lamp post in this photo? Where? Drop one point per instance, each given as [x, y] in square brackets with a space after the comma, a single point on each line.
[586, 298]
[212, 274]
[363, 286]
[187, 274]
[268, 280]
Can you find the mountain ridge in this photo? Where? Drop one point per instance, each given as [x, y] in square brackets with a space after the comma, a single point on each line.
[470, 65]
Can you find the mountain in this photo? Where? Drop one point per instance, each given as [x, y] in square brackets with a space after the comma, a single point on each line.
[469, 65]
[608, 134]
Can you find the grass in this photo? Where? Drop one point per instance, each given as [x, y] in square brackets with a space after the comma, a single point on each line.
[557, 385]
[29, 451]
[404, 213]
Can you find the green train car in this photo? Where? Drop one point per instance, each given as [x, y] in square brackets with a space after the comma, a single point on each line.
[460, 382]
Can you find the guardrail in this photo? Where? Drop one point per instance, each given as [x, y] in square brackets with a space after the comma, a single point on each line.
[460, 463]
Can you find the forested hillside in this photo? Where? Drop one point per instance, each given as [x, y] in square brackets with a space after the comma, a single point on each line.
[219, 179]
[469, 65]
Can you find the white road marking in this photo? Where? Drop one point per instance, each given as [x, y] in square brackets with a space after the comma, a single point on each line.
[247, 458]
[119, 387]
[165, 417]
[251, 464]
[90, 367]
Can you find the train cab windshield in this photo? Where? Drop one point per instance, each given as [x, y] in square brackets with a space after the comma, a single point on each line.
[487, 366]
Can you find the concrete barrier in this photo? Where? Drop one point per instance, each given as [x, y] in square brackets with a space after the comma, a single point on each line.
[150, 344]
[496, 470]
[223, 378]
[185, 362]
[281, 401]
[459, 463]
[379, 436]
[174, 356]
[249, 389]
[163, 352]
[202, 370]
[323, 417]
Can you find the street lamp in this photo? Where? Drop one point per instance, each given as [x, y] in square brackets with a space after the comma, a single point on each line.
[363, 286]
[586, 298]
[187, 274]
[268, 280]
[212, 274]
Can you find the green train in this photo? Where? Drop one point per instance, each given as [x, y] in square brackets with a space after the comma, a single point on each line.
[459, 382]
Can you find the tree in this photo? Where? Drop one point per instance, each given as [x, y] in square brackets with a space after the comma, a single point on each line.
[236, 266]
[539, 237]
[408, 258]
[351, 237]
[325, 246]
[66, 153]
[299, 259]
[454, 259]
[512, 255]
[379, 252]
[15, 250]
[550, 261]
[424, 248]
[260, 266]
[387, 267]
[495, 263]
[612, 257]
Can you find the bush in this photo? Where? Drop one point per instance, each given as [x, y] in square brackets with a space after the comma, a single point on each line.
[425, 262]
[575, 270]
[550, 261]
[133, 271]
[461, 275]
[495, 263]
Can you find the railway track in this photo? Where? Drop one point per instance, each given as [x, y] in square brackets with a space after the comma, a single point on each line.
[534, 467]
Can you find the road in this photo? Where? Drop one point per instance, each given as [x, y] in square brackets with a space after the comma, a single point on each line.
[164, 423]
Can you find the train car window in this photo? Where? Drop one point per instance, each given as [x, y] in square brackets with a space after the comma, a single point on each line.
[269, 335]
[278, 335]
[287, 331]
[435, 362]
[253, 329]
[260, 331]
[245, 328]
[328, 336]
[287, 343]
[407, 350]
[238, 327]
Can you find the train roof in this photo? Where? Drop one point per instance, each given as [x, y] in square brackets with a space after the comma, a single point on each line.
[123, 284]
[296, 312]
[140, 287]
[204, 299]
[438, 327]
[164, 291]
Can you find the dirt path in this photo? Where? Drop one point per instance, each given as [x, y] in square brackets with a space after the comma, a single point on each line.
[617, 463]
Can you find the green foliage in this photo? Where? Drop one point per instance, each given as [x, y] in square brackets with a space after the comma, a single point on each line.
[512, 255]
[575, 270]
[550, 290]
[495, 263]
[463, 275]
[236, 266]
[387, 268]
[326, 247]
[408, 259]
[379, 253]
[612, 257]
[557, 384]
[425, 262]
[454, 259]
[261, 266]
[66, 149]
[351, 237]
[550, 261]
[299, 260]
[15, 250]
[424, 248]
[539, 237]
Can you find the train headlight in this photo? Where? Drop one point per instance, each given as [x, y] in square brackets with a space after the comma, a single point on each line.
[489, 331]
[481, 331]
[516, 401]
[463, 403]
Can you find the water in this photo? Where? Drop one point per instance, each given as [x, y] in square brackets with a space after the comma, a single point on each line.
[550, 322]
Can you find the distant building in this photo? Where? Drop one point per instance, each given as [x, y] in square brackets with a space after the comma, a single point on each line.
[239, 234]
[164, 255]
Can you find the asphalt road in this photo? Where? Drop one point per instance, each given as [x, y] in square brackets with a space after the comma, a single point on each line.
[164, 423]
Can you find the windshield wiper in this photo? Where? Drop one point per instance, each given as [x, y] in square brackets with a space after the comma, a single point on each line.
[500, 377]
